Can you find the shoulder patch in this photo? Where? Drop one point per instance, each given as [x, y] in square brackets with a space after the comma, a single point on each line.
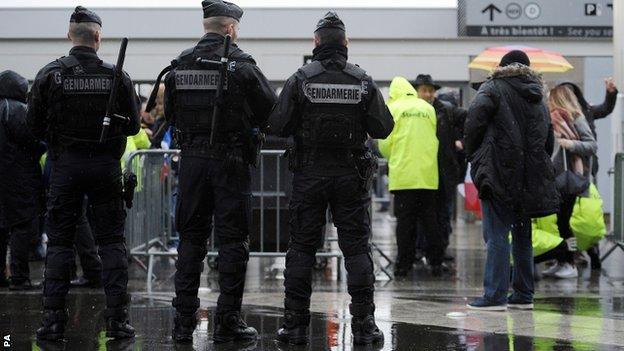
[312, 69]
[354, 71]
[68, 62]
[241, 56]
[185, 54]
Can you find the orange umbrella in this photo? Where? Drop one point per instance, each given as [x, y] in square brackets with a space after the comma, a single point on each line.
[541, 60]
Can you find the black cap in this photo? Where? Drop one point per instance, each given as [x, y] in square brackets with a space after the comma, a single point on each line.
[330, 20]
[425, 79]
[215, 8]
[515, 56]
[82, 15]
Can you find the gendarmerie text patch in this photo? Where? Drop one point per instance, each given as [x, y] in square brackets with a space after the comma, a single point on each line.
[321, 93]
[87, 84]
[197, 80]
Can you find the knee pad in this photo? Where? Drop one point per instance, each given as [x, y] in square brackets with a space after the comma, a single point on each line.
[232, 268]
[191, 256]
[360, 270]
[234, 252]
[58, 262]
[113, 257]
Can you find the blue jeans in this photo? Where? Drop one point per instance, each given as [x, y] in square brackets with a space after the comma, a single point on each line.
[498, 221]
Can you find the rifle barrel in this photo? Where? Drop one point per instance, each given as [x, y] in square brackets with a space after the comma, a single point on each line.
[117, 77]
[216, 111]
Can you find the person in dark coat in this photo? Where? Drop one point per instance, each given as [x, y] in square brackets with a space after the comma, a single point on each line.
[214, 186]
[460, 119]
[508, 139]
[330, 106]
[68, 98]
[21, 187]
[595, 112]
[450, 120]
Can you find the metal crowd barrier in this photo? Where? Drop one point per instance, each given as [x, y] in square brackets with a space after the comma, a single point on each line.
[150, 222]
[617, 235]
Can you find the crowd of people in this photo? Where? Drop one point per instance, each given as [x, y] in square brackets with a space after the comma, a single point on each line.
[532, 154]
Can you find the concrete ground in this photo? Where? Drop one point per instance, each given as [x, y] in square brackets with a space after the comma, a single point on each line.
[574, 314]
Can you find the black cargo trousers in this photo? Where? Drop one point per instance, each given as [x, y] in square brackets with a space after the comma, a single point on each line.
[98, 176]
[210, 187]
[349, 204]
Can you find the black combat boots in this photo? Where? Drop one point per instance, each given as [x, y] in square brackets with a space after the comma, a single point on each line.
[294, 330]
[363, 326]
[117, 323]
[183, 327]
[229, 326]
[185, 320]
[53, 325]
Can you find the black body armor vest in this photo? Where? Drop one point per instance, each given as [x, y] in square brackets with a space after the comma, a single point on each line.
[195, 97]
[78, 99]
[333, 105]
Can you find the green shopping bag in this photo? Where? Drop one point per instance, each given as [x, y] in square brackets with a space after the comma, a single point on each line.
[587, 221]
[545, 234]
[547, 224]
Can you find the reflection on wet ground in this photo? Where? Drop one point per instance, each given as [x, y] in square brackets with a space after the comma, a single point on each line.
[153, 321]
[575, 314]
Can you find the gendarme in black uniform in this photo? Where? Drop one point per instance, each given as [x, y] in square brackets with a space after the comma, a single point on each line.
[215, 180]
[330, 106]
[66, 107]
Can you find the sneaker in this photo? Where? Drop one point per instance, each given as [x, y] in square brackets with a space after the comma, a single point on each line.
[484, 305]
[567, 271]
[514, 304]
[550, 272]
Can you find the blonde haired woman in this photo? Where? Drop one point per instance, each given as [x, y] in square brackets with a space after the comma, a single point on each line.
[576, 145]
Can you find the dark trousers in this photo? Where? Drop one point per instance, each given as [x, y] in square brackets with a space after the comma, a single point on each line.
[4, 241]
[73, 176]
[563, 223]
[498, 222]
[412, 207]
[207, 189]
[349, 204]
[446, 205]
[86, 249]
[23, 239]
[559, 253]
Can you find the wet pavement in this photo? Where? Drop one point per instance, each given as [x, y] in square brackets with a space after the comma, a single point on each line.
[575, 314]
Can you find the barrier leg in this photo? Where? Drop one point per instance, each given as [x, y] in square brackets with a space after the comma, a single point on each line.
[150, 270]
[613, 248]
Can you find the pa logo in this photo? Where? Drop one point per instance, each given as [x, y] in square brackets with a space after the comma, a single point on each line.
[6, 341]
[593, 9]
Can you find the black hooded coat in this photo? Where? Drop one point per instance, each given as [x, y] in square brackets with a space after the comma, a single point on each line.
[21, 186]
[508, 140]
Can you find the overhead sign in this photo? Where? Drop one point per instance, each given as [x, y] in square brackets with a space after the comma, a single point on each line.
[533, 18]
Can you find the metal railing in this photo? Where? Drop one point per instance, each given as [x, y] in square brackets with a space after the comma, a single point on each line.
[617, 235]
[150, 225]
